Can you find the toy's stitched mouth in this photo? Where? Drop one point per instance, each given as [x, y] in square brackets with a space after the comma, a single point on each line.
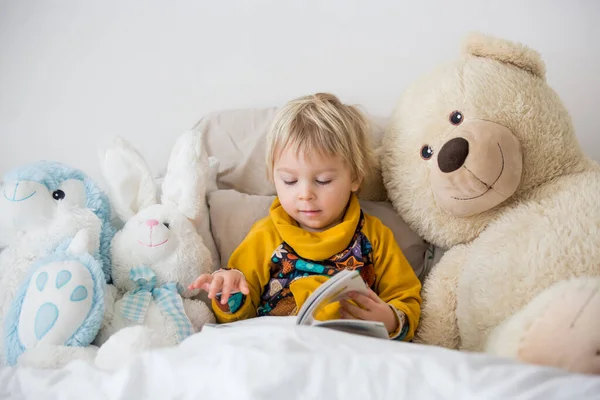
[153, 245]
[14, 197]
[489, 187]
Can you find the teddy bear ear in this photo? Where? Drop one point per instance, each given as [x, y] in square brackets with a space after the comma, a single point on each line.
[481, 45]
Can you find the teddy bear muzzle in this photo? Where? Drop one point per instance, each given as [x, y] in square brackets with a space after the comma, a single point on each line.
[477, 169]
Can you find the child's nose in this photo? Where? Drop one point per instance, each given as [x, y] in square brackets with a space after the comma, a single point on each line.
[305, 192]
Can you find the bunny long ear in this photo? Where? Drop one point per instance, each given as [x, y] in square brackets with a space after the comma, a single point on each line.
[131, 185]
[187, 176]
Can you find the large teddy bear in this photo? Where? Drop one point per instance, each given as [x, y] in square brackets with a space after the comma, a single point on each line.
[481, 159]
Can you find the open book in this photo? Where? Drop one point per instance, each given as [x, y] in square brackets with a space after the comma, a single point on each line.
[335, 289]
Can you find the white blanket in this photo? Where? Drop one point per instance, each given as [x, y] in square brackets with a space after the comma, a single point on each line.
[271, 358]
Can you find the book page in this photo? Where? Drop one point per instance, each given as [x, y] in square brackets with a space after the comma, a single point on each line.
[330, 291]
[366, 328]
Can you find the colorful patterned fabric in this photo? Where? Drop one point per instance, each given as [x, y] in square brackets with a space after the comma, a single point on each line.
[286, 266]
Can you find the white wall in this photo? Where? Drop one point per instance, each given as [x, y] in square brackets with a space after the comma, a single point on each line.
[75, 73]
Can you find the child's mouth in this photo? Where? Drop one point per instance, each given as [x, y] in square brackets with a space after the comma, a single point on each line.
[310, 212]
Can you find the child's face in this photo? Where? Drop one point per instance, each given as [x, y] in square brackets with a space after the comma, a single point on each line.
[314, 189]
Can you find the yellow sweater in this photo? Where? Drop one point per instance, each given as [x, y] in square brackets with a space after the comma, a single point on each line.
[283, 264]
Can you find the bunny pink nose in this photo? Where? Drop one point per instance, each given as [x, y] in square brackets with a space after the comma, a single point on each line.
[152, 222]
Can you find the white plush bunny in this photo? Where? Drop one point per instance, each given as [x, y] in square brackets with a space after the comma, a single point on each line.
[158, 253]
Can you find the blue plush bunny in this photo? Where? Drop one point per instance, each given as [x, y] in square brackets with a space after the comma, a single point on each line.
[56, 225]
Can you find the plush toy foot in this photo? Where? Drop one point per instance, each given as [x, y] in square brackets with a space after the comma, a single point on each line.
[54, 357]
[61, 304]
[559, 328]
[124, 345]
[198, 312]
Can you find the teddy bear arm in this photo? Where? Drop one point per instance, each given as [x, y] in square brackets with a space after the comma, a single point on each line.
[438, 325]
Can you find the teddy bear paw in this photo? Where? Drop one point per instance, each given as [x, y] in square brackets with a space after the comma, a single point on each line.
[55, 304]
[567, 334]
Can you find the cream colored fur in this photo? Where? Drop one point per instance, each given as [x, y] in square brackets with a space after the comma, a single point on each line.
[500, 259]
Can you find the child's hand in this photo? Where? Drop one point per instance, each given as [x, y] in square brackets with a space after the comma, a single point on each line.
[225, 281]
[372, 308]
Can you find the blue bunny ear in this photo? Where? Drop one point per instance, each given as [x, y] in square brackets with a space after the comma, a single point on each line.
[49, 173]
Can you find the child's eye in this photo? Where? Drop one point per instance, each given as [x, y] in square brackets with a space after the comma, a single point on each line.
[324, 182]
[289, 183]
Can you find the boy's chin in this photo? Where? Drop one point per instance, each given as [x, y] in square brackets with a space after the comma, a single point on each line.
[316, 226]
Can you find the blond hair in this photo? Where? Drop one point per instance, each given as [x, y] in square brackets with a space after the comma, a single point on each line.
[322, 123]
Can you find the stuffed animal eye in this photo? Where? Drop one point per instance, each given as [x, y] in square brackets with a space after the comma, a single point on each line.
[426, 152]
[58, 195]
[71, 191]
[166, 224]
[456, 118]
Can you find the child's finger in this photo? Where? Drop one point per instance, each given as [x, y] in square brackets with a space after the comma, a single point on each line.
[355, 311]
[244, 286]
[198, 283]
[373, 296]
[205, 287]
[226, 291]
[215, 286]
[363, 300]
[346, 315]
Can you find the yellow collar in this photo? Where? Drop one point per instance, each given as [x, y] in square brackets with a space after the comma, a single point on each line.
[316, 246]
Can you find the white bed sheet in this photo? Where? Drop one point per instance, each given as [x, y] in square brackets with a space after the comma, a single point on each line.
[271, 358]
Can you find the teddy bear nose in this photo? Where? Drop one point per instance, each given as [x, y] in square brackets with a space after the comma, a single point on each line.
[151, 222]
[453, 154]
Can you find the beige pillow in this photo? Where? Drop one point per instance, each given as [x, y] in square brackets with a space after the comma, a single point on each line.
[237, 139]
[232, 214]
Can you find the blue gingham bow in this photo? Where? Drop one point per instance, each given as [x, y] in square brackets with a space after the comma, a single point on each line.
[136, 302]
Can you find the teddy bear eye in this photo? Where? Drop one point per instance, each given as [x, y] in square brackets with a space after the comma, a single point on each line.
[166, 224]
[456, 117]
[426, 152]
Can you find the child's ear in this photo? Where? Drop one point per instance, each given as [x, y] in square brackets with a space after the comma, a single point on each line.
[356, 185]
